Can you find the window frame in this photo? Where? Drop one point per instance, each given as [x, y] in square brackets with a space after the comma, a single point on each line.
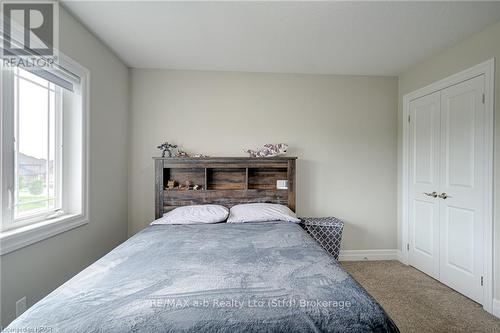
[24, 234]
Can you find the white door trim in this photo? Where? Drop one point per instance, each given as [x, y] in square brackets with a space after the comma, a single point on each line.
[496, 308]
[487, 69]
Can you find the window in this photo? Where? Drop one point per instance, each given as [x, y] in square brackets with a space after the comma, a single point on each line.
[44, 157]
[37, 147]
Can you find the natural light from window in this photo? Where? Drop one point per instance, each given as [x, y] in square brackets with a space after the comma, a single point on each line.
[37, 145]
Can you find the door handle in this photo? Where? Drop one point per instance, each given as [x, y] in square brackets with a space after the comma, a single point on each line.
[444, 196]
[433, 194]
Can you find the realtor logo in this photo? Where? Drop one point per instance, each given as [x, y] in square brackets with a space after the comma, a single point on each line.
[29, 28]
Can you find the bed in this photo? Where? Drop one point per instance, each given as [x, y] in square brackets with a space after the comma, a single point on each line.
[251, 277]
[247, 277]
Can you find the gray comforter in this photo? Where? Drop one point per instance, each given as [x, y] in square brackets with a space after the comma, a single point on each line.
[253, 277]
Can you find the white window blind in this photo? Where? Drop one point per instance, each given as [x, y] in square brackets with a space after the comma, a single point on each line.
[57, 75]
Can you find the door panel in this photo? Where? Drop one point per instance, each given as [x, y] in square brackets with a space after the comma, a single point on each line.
[425, 216]
[458, 121]
[424, 143]
[462, 173]
[459, 226]
[424, 178]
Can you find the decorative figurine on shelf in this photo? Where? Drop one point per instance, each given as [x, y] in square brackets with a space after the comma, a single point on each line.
[186, 186]
[197, 187]
[171, 184]
[181, 154]
[166, 147]
[269, 150]
[199, 156]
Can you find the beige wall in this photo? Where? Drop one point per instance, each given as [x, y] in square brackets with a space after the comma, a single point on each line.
[472, 51]
[342, 128]
[36, 270]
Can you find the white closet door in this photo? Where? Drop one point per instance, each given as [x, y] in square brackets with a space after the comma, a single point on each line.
[424, 184]
[462, 170]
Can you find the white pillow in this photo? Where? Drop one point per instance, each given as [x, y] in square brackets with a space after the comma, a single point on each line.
[194, 214]
[261, 212]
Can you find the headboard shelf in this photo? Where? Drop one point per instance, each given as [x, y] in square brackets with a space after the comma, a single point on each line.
[223, 180]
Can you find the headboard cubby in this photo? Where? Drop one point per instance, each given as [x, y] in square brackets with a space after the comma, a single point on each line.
[226, 181]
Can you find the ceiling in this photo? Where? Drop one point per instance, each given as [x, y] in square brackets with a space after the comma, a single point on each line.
[355, 38]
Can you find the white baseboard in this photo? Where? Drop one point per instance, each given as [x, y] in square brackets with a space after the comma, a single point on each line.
[496, 308]
[359, 255]
[401, 257]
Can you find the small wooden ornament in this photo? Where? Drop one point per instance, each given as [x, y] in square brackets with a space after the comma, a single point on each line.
[185, 186]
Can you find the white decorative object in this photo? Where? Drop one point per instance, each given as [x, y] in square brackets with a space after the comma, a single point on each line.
[269, 150]
[282, 184]
[194, 215]
[261, 212]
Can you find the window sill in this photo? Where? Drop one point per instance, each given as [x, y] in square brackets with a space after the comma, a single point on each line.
[15, 239]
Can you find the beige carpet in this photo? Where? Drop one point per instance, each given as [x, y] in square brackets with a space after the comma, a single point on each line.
[417, 302]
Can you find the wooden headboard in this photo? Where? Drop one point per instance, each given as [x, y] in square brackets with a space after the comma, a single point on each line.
[226, 181]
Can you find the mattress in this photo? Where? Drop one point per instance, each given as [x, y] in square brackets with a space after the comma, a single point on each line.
[251, 277]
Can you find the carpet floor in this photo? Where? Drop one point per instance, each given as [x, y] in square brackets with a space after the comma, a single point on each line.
[417, 302]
